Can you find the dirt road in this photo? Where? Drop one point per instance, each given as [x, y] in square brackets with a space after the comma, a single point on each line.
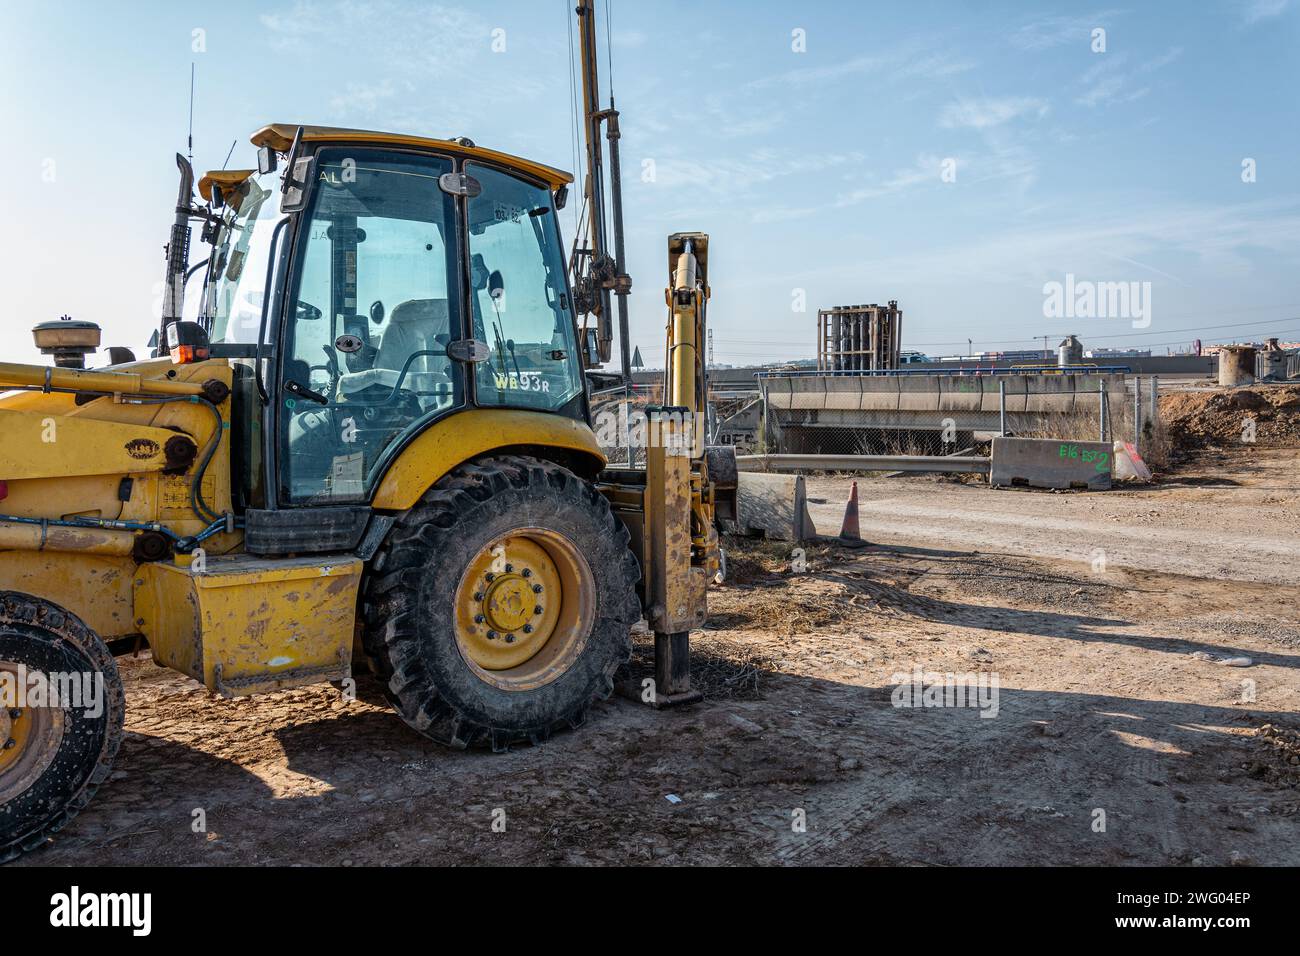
[1112, 740]
[1243, 525]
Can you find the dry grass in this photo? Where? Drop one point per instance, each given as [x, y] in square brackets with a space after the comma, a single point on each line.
[1082, 425]
[722, 668]
[765, 590]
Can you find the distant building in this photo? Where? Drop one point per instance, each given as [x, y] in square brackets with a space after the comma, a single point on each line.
[1117, 353]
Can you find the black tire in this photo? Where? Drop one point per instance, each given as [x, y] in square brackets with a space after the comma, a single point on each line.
[411, 589]
[44, 637]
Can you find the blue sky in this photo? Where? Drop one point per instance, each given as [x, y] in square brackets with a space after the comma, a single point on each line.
[818, 172]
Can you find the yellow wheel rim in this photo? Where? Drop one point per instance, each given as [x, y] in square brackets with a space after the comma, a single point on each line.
[29, 736]
[524, 607]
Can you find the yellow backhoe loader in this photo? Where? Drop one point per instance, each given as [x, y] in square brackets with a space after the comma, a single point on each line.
[373, 448]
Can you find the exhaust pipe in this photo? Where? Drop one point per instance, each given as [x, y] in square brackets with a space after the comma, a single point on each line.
[178, 254]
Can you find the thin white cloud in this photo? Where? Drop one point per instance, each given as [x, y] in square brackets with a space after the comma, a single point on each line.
[731, 177]
[907, 64]
[414, 45]
[1222, 238]
[990, 111]
[1109, 80]
[1010, 163]
[1258, 10]
[1163, 60]
[1048, 32]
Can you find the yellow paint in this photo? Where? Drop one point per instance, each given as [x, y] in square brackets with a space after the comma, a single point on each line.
[495, 601]
[72, 446]
[227, 179]
[81, 472]
[114, 382]
[96, 588]
[248, 625]
[279, 136]
[448, 443]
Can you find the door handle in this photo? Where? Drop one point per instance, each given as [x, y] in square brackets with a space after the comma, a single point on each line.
[304, 392]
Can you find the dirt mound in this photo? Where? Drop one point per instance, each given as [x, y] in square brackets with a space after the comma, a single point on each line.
[1226, 417]
[1279, 756]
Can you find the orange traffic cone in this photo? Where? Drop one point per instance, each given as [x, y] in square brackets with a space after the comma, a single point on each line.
[849, 533]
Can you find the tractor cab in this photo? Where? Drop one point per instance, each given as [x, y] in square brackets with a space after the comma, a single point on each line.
[390, 281]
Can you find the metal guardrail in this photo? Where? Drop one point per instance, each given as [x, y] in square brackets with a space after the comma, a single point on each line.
[906, 372]
[953, 464]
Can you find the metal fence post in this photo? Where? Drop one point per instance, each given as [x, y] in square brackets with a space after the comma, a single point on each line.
[1002, 407]
[1101, 411]
[1153, 412]
[1137, 414]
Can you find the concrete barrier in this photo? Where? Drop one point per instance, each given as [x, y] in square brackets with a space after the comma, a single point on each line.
[808, 393]
[844, 392]
[1049, 463]
[880, 393]
[778, 392]
[961, 393]
[1051, 393]
[775, 506]
[918, 393]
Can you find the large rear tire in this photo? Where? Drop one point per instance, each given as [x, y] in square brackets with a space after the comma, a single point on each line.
[54, 757]
[500, 606]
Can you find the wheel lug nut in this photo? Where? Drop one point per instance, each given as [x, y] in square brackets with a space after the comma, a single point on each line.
[478, 595]
[15, 713]
[537, 589]
[491, 576]
[510, 638]
[509, 568]
[492, 635]
[479, 619]
[528, 629]
[528, 572]
[537, 609]
[10, 744]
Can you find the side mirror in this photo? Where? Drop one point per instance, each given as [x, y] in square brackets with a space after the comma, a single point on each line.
[496, 284]
[295, 185]
[218, 197]
[266, 160]
[561, 197]
[377, 312]
[591, 349]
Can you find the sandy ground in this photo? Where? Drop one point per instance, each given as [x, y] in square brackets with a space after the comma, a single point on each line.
[1220, 517]
[1113, 742]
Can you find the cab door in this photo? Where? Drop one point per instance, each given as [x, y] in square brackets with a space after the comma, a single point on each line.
[372, 306]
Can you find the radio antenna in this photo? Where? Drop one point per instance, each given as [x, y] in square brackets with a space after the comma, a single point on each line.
[191, 132]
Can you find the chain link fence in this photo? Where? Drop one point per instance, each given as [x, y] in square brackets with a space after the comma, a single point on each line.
[900, 414]
[934, 414]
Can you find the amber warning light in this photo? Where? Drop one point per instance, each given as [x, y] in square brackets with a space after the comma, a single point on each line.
[187, 342]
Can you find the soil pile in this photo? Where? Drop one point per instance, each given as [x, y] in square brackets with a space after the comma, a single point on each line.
[1267, 414]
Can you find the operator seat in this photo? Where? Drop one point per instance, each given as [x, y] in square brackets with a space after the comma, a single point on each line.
[415, 325]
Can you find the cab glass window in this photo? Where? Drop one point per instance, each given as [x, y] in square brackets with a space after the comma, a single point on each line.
[519, 300]
[376, 302]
